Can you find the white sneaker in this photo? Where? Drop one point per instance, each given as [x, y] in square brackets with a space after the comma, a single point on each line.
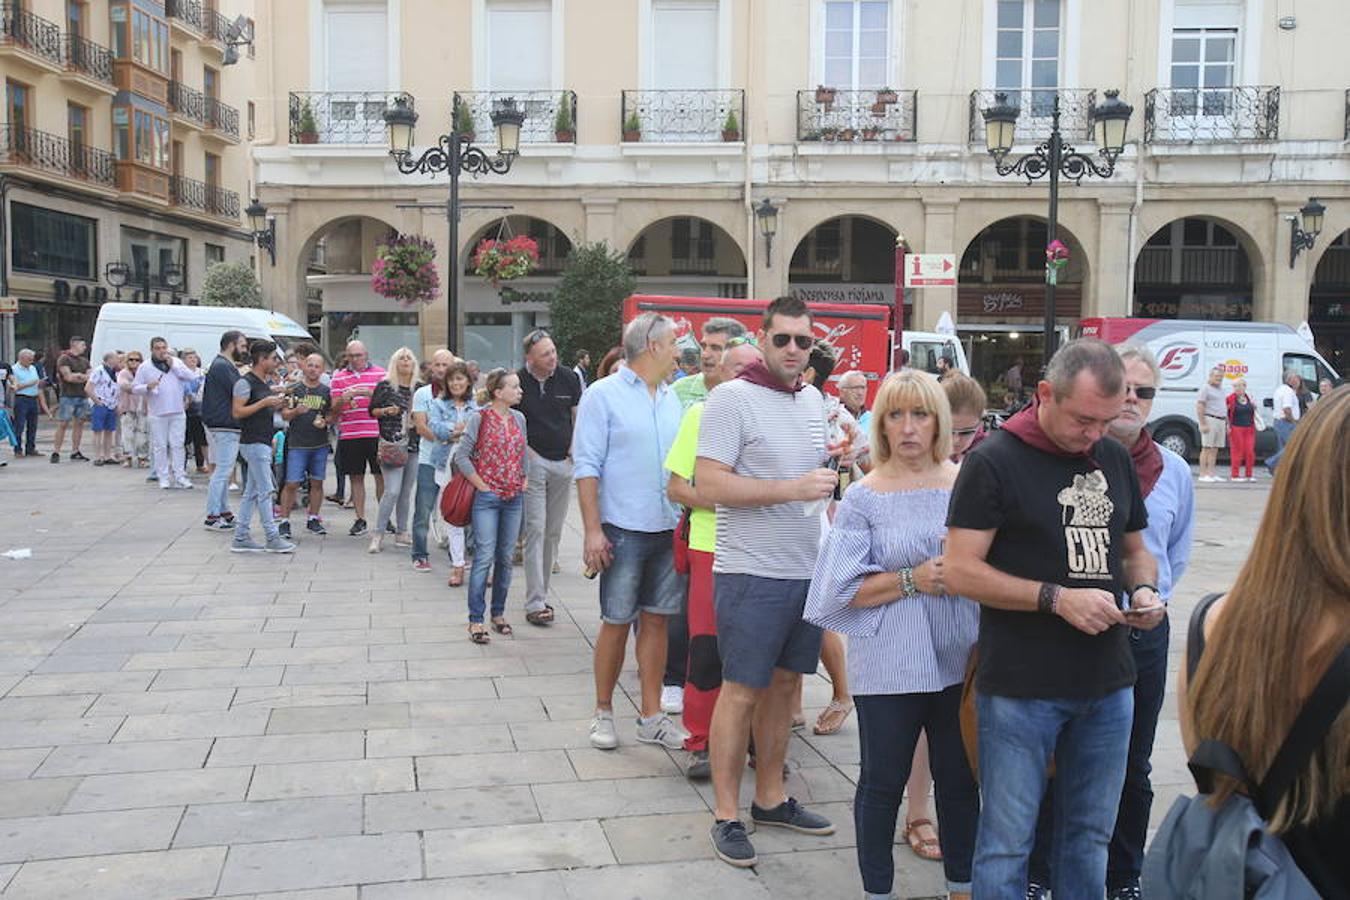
[233, 486]
[1204, 479]
[1218, 478]
[603, 735]
[661, 731]
[672, 699]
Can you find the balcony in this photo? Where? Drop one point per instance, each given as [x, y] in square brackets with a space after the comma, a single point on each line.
[1211, 115]
[36, 39]
[200, 197]
[30, 149]
[187, 105]
[1036, 120]
[185, 13]
[542, 123]
[88, 61]
[682, 116]
[222, 120]
[828, 114]
[341, 118]
[215, 27]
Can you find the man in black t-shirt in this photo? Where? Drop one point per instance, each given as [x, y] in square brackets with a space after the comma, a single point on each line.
[1046, 533]
[252, 404]
[308, 406]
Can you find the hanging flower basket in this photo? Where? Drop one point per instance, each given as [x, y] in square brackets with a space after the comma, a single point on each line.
[405, 270]
[496, 261]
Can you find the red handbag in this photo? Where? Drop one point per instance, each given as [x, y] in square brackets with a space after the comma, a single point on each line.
[457, 501]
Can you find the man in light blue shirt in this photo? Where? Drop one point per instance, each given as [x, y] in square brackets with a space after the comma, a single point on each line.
[625, 426]
[26, 379]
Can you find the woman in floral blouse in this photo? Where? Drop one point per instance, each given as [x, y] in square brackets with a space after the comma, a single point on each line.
[492, 455]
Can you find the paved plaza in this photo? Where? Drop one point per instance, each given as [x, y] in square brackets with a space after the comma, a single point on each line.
[177, 721]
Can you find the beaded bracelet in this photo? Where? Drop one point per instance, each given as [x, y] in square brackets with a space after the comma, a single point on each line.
[905, 581]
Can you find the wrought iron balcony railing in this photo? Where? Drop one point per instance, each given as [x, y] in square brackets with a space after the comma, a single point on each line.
[682, 116]
[1034, 121]
[221, 202]
[340, 118]
[88, 58]
[186, 11]
[222, 118]
[187, 102]
[51, 153]
[827, 114]
[33, 33]
[550, 116]
[187, 193]
[1199, 115]
[215, 26]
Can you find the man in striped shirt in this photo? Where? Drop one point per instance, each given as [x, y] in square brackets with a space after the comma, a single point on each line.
[358, 433]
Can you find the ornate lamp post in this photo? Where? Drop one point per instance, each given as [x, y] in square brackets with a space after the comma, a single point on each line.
[453, 153]
[264, 229]
[1301, 239]
[1054, 158]
[767, 214]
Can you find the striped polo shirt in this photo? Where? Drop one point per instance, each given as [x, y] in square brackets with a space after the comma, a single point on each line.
[355, 421]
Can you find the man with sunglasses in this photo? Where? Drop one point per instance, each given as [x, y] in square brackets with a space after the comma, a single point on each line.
[549, 397]
[762, 461]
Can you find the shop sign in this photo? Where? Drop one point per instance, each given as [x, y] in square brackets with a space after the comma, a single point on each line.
[882, 294]
[509, 295]
[1017, 301]
[930, 270]
[1238, 309]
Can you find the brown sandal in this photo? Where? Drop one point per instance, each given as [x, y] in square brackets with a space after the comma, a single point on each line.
[540, 617]
[503, 627]
[929, 848]
[478, 633]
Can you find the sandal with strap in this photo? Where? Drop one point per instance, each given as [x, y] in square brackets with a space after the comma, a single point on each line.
[503, 627]
[478, 633]
[924, 848]
[540, 617]
[832, 717]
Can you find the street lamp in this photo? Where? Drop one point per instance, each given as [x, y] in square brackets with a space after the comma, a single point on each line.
[117, 274]
[264, 229]
[173, 277]
[1303, 238]
[453, 153]
[767, 214]
[1055, 158]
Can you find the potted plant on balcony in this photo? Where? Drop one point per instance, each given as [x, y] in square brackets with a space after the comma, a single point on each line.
[496, 261]
[405, 270]
[564, 126]
[887, 96]
[870, 132]
[632, 128]
[307, 129]
[825, 95]
[847, 134]
[829, 133]
[731, 128]
[463, 121]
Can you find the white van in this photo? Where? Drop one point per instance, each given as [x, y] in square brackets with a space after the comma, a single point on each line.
[130, 326]
[1188, 350]
[925, 347]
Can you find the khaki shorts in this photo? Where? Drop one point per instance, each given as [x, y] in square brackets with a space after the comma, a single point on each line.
[1213, 433]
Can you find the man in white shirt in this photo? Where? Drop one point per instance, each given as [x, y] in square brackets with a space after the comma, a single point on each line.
[1287, 411]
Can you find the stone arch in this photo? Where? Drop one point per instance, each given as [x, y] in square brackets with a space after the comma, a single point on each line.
[728, 218]
[1328, 312]
[710, 249]
[1214, 256]
[868, 257]
[554, 242]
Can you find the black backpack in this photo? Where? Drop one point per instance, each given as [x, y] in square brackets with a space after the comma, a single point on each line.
[1203, 852]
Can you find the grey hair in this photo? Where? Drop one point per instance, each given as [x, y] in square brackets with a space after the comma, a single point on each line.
[850, 373]
[648, 327]
[28, 351]
[723, 325]
[1096, 357]
[1144, 355]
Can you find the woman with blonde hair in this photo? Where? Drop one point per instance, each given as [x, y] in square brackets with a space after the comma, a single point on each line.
[1242, 417]
[390, 404]
[1267, 643]
[879, 580]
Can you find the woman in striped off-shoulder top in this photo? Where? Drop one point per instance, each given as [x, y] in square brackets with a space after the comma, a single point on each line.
[878, 580]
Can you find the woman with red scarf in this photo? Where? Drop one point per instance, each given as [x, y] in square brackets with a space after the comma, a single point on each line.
[1242, 417]
[491, 454]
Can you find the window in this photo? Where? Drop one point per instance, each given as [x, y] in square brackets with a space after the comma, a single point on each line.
[1204, 60]
[212, 170]
[252, 120]
[18, 100]
[146, 249]
[857, 42]
[684, 46]
[46, 242]
[176, 65]
[149, 41]
[214, 254]
[693, 245]
[75, 14]
[1026, 53]
[1309, 369]
[142, 136]
[210, 83]
[356, 45]
[519, 45]
[121, 41]
[77, 132]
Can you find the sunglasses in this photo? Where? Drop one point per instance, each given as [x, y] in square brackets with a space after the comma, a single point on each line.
[742, 340]
[803, 341]
[133, 359]
[965, 432]
[1143, 393]
[534, 337]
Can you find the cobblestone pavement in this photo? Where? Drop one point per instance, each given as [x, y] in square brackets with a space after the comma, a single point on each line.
[177, 721]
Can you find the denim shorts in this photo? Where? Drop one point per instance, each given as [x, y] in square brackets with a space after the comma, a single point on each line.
[642, 576]
[73, 408]
[760, 627]
[308, 461]
[104, 419]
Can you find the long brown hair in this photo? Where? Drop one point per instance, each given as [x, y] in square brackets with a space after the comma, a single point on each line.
[1285, 619]
[457, 368]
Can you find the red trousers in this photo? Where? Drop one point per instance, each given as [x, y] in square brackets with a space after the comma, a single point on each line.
[705, 664]
[1242, 449]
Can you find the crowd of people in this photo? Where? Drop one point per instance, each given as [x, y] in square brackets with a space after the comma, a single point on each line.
[993, 604]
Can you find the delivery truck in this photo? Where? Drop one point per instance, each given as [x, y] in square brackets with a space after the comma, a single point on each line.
[1187, 350]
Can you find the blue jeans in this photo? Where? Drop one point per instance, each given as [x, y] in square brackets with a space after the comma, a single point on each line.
[224, 451]
[257, 491]
[496, 523]
[424, 507]
[1125, 857]
[26, 421]
[1089, 741]
[1283, 432]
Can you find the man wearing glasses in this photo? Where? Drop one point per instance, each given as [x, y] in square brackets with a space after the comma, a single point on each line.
[717, 331]
[549, 397]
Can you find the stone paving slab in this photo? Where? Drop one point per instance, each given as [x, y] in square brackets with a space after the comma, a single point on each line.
[168, 875]
[325, 779]
[426, 810]
[515, 848]
[137, 756]
[174, 788]
[77, 834]
[269, 820]
[322, 862]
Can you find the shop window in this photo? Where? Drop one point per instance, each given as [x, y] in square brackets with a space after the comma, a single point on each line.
[153, 251]
[47, 242]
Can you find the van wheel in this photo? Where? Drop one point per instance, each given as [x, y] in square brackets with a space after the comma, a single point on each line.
[1176, 439]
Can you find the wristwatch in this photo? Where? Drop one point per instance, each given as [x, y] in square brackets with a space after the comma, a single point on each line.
[1047, 599]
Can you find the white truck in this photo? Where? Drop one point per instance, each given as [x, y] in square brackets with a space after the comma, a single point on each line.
[130, 326]
[1188, 350]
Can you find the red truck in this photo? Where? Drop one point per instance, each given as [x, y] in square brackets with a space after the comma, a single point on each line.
[859, 331]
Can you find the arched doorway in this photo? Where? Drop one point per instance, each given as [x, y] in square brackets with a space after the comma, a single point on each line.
[1329, 305]
[686, 256]
[847, 259]
[1000, 299]
[335, 266]
[1194, 268]
[497, 318]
